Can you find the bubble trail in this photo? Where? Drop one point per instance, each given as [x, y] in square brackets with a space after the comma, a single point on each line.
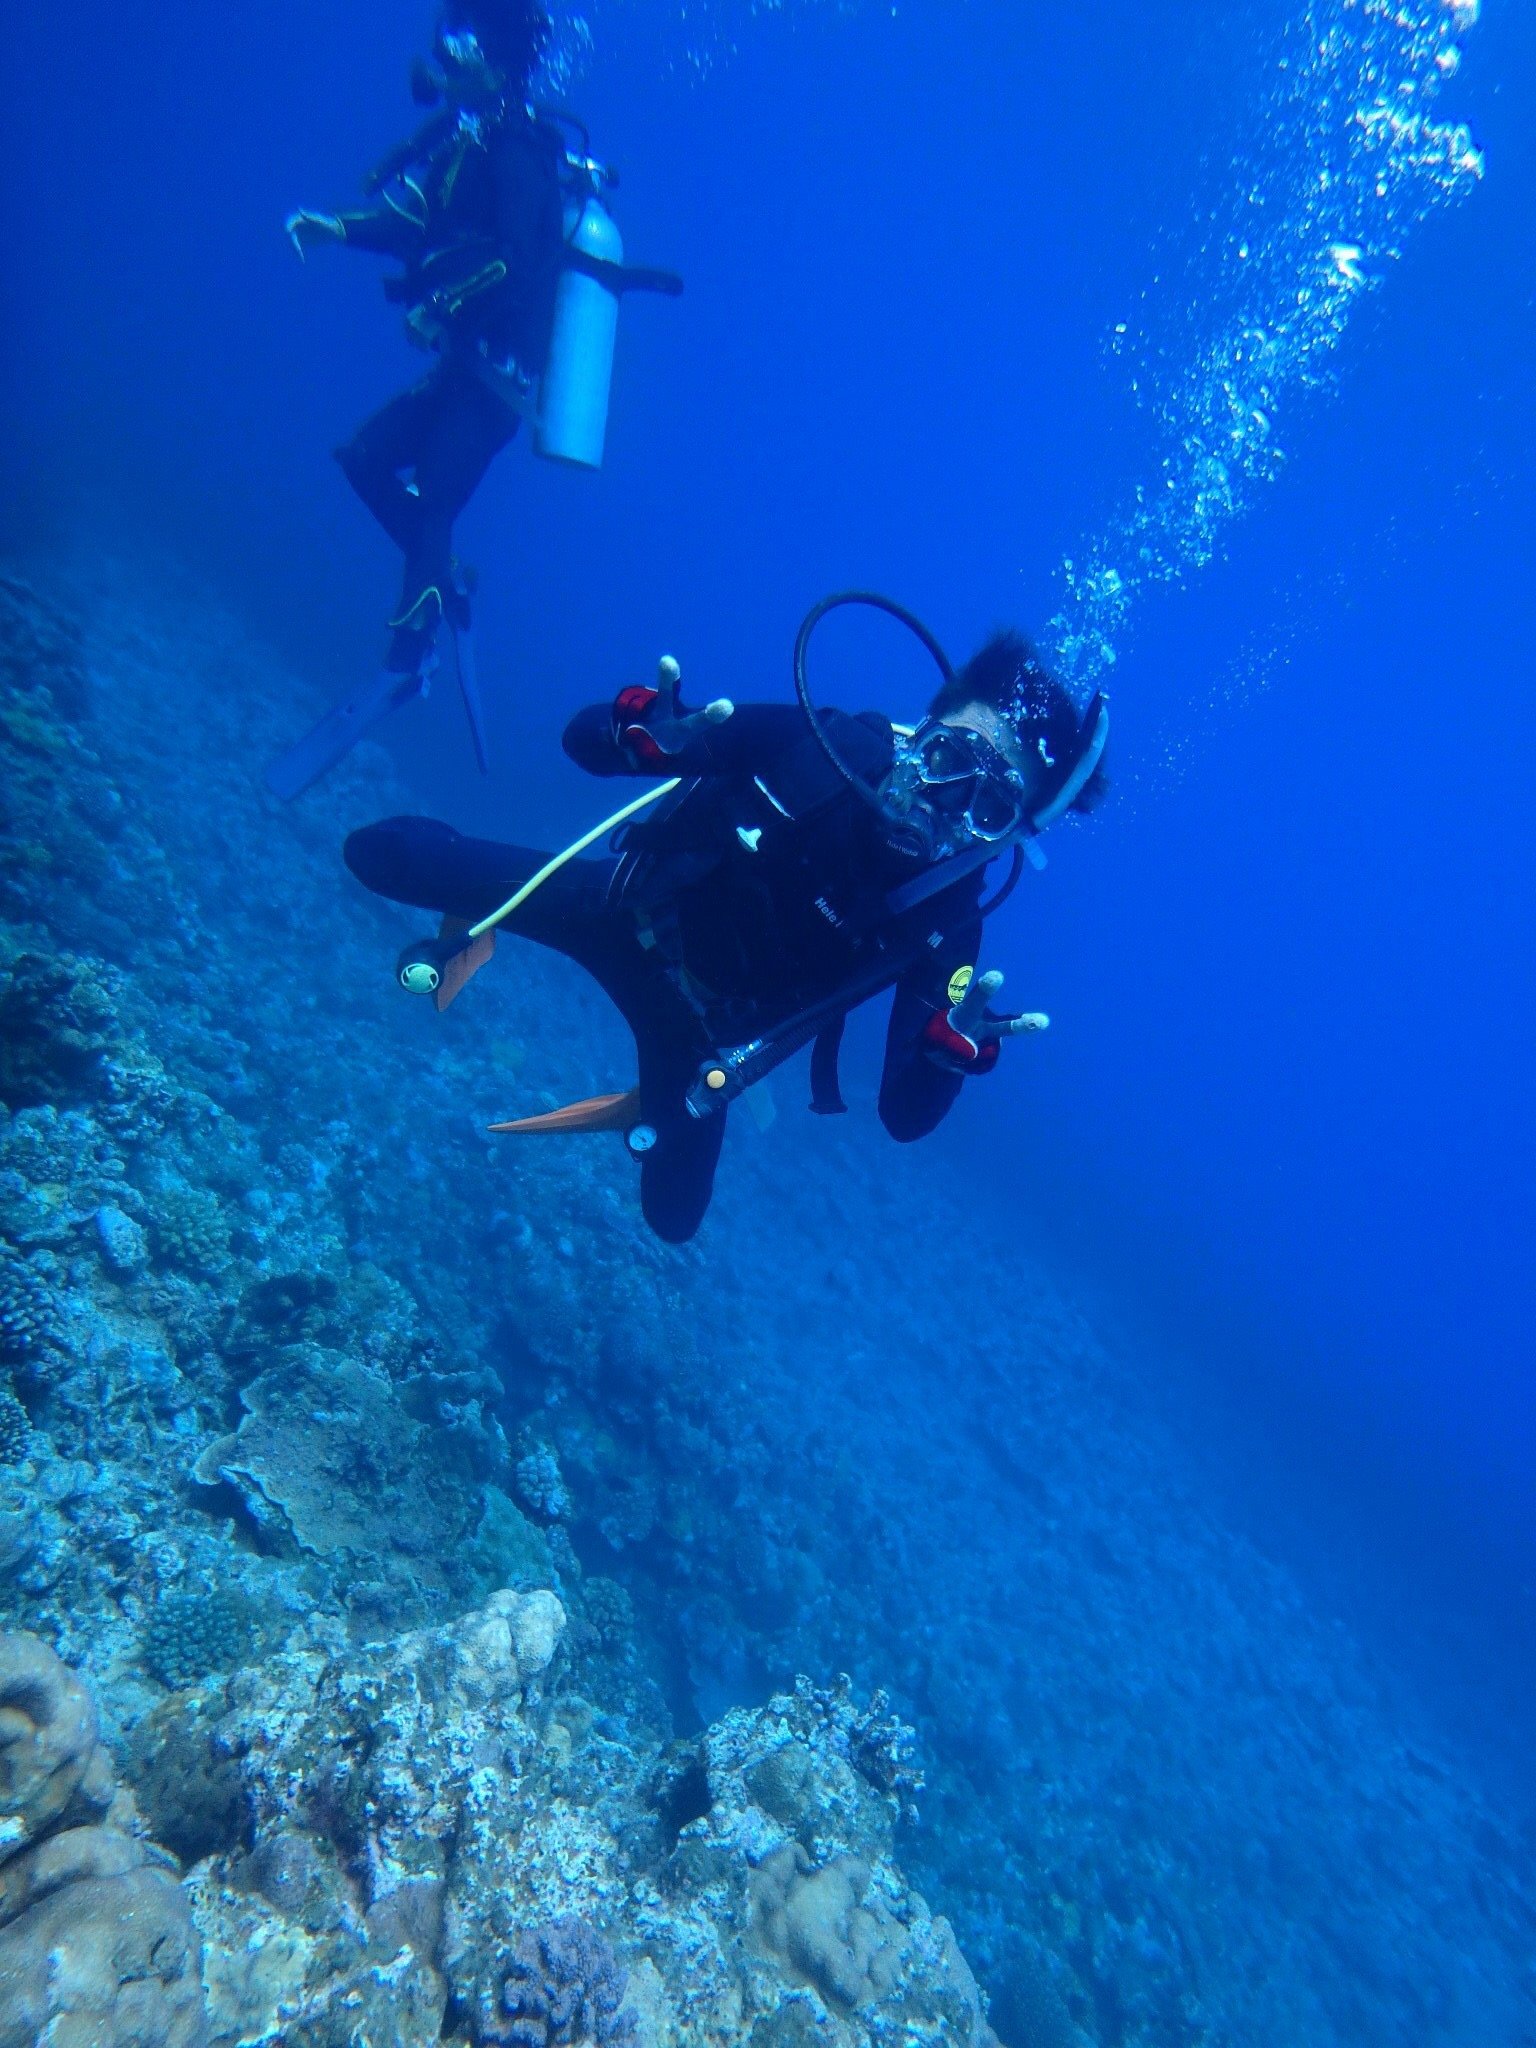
[697, 35]
[1353, 161]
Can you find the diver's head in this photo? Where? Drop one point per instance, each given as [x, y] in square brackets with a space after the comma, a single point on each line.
[1002, 752]
[494, 42]
[1008, 693]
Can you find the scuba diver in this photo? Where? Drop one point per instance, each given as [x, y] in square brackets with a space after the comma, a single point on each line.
[796, 863]
[512, 270]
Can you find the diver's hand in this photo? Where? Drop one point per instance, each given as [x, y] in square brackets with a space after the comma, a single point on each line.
[651, 726]
[307, 230]
[968, 1038]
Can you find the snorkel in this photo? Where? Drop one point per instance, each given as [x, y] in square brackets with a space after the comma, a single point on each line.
[1095, 734]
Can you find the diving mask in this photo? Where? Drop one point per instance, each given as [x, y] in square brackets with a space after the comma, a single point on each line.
[471, 80]
[461, 46]
[961, 787]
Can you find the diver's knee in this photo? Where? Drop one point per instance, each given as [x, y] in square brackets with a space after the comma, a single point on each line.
[384, 856]
[902, 1125]
[674, 1207]
[351, 458]
[671, 1228]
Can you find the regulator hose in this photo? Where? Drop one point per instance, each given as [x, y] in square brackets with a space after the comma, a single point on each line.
[874, 602]
[1010, 883]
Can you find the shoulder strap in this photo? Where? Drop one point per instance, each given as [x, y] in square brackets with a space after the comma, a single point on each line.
[826, 1090]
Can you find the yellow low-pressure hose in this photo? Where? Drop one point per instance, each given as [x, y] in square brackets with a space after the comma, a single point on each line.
[553, 867]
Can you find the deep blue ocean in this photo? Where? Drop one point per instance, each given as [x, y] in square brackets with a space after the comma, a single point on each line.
[1140, 329]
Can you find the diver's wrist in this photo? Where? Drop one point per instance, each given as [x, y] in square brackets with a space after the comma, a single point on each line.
[948, 1046]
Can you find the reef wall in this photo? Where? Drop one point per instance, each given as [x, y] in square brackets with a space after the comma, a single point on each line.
[312, 1398]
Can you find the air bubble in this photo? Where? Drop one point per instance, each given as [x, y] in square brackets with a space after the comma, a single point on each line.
[1347, 144]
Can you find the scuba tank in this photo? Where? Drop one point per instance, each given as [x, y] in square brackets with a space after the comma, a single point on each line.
[572, 419]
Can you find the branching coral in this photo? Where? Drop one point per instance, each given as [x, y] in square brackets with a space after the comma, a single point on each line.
[27, 1319]
[15, 1429]
[191, 1634]
[880, 1746]
[540, 1486]
[190, 1230]
[563, 1986]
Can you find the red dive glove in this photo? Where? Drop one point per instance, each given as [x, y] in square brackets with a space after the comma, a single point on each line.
[650, 726]
[630, 710]
[967, 1038]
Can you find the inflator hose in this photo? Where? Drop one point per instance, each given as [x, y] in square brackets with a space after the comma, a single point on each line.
[813, 618]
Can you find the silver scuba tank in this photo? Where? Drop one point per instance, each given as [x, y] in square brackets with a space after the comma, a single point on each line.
[572, 417]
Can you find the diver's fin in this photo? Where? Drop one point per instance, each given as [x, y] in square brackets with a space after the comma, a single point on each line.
[469, 690]
[338, 733]
[597, 1113]
[462, 968]
[761, 1107]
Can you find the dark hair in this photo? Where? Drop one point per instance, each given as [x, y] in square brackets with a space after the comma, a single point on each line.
[1009, 675]
[514, 34]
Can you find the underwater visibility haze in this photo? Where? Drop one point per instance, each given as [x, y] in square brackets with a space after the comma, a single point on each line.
[1066, 1579]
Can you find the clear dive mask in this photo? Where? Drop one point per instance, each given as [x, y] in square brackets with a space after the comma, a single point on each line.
[461, 46]
[954, 787]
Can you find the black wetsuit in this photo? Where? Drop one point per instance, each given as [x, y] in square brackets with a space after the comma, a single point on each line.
[759, 893]
[480, 227]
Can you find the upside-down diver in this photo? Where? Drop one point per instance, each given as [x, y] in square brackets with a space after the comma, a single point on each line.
[795, 864]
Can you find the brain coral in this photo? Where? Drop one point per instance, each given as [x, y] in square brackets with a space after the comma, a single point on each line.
[97, 1946]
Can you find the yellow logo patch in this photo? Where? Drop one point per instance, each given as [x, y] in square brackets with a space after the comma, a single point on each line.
[959, 982]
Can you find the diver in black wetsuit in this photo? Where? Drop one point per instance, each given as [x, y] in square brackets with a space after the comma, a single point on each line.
[471, 207]
[766, 890]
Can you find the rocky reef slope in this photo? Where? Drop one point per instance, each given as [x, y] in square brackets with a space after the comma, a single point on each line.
[311, 1399]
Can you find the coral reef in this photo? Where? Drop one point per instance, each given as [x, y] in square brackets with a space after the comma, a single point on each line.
[57, 1021]
[97, 1948]
[431, 1536]
[439, 1815]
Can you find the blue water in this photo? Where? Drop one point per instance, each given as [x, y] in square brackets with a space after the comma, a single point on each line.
[963, 287]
